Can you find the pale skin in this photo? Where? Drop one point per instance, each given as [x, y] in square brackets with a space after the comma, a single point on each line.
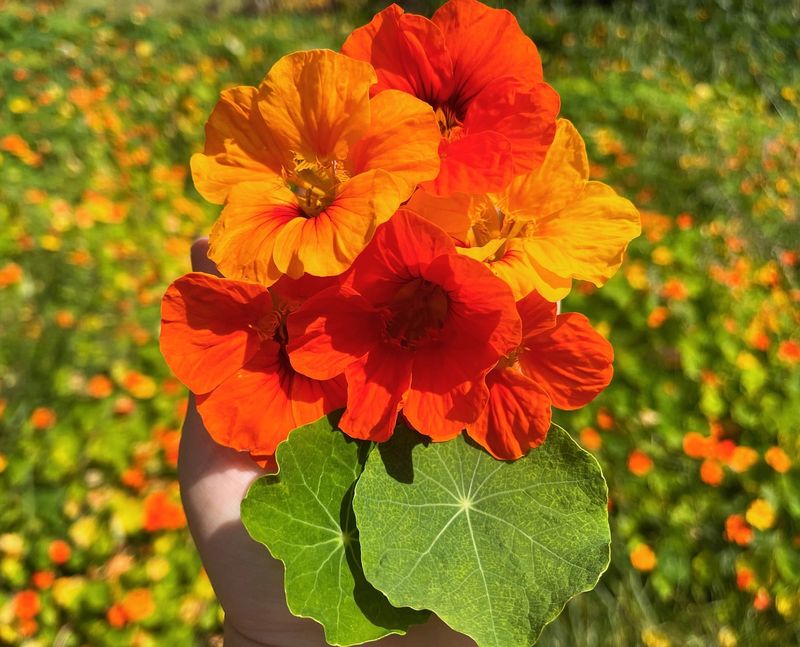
[247, 581]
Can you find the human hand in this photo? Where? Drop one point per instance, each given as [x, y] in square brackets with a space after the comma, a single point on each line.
[247, 581]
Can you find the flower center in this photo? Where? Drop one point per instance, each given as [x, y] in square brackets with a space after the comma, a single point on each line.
[417, 314]
[314, 183]
[272, 326]
[450, 124]
[511, 360]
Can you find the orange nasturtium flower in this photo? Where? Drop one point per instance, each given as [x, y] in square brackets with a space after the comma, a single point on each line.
[548, 227]
[483, 77]
[561, 361]
[225, 340]
[308, 166]
[414, 325]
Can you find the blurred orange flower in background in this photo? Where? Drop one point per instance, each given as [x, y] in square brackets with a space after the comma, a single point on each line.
[59, 551]
[643, 558]
[26, 604]
[162, 512]
[43, 418]
[10, 274]
[778, 460]
[99, 386]
[639, 463]
[711, 472]
[590, 439]
[137, 605]
[737, 530]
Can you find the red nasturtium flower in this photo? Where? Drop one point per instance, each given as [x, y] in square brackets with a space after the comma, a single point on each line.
[561, 361]
[308, 166]
[413, 326]
[226, 341]
[482, 76]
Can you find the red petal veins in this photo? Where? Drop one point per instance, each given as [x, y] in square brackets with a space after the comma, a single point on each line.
[479, 162]
[376, 385]
[330, 331]
[442, 416]
[400, 251]
[572, 362]
[525, 115]
[207, 329]
[481, 41]
[481, 327]
[516, 418]
[255, 409]
[538, 315]
[408, 53]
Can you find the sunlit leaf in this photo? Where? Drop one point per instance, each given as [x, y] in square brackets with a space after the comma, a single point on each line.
[494, 548]
[305, 518]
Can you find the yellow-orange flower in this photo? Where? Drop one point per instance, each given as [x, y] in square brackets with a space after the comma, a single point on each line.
[760, 514]
[547, 228]
[778, 460]
[308, 166]
[742, 459]
[643, 558]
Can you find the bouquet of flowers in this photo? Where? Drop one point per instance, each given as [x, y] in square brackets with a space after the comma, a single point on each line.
[399, 221]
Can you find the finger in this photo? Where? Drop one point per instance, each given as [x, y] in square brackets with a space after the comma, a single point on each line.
[200, 260]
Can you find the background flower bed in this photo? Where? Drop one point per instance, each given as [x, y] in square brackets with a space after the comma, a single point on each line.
[691, 110]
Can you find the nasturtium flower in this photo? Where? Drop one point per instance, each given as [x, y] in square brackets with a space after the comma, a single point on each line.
[414, 326]
[561, 362]
[546, 228]
[483, 77]
[226, 341]
[308, 165]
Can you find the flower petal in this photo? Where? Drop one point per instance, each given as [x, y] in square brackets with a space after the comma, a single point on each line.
[327, 244]
[558, 182]
[256, 408]
[482, 324]
[400, 251]
[517, 267]
[242, 240]
[235, 147]
[316, 104]
[407, 52]
[572, 362]
[538, 316]
[375, 387]
[442, 416]
[451, 213]
[477, 163]
[517, 417]
[403, 139]
[483, 41]
[586, 239]
[330, 331]
[525, 115]
[205, 328]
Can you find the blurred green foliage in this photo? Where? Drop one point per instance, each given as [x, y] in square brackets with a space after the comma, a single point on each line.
[688, 108]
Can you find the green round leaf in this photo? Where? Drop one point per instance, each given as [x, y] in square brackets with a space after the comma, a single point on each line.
[304, 516]
[494, 548]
